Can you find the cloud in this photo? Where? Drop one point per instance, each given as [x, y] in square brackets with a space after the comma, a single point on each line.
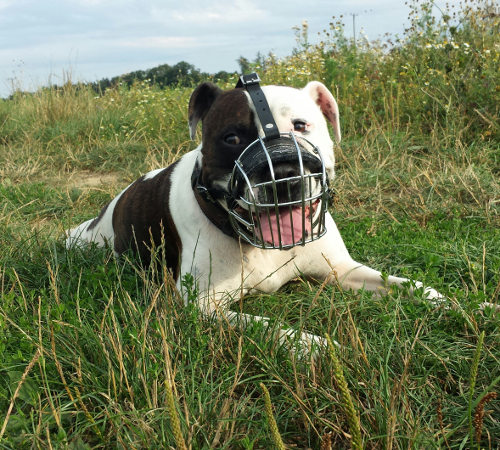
[160, 42]
[220, 12]
[5, 4]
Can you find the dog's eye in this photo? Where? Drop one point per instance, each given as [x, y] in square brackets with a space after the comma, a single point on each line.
[232, 139]
[300, 126]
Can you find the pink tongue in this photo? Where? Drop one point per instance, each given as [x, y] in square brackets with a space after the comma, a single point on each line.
[269, 225]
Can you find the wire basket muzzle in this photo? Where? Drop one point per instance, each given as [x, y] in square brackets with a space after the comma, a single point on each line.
[279, 193]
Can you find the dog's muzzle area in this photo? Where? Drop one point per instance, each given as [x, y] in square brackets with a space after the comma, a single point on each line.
[278, 193]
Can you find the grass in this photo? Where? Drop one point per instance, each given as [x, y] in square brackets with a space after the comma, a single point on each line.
[98, 353]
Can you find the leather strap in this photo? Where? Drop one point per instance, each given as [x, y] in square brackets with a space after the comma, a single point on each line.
[251, 84]
[209, 205]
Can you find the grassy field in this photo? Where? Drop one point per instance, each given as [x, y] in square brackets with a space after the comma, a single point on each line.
[96, 353]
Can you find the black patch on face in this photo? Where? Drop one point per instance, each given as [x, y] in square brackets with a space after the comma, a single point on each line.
[142, 219]
[230, 114]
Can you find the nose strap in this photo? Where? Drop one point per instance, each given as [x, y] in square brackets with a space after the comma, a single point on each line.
[251, 83]
[260, 157]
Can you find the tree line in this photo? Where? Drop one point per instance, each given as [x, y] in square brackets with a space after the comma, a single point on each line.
[182, 74]
[164, 75]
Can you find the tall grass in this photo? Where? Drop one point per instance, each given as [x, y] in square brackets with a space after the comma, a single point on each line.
[99, 353]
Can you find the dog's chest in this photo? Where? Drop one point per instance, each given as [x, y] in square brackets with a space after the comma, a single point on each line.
[267, 270]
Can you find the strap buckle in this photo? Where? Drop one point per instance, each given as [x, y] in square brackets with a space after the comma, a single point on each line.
[249, 79]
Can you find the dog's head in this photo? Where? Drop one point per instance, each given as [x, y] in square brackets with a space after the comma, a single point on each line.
[236, 164]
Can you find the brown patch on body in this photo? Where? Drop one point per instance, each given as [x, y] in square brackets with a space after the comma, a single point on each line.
[142, 219]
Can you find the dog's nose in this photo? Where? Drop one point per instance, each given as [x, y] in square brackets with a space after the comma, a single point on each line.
[283, 171]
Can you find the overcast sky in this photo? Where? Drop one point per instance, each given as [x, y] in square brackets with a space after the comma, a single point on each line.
[40, 40]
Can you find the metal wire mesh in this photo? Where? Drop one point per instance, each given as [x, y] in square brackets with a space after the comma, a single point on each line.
[279, 212]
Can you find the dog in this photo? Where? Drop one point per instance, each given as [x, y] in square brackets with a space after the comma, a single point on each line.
[197, 206]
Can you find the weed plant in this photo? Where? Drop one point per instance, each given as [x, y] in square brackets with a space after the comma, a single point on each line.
[101, 353]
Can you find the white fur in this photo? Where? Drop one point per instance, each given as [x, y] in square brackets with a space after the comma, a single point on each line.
[287, 105]
[102, 234]
[153, 173]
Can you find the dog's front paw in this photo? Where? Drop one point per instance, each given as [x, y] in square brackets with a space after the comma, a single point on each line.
[312, 340]
[488, 305]
[304, 345]
[312, 345]
[433, 297]
[436, 299]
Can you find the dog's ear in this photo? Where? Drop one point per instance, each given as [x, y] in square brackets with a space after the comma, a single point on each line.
[324, 99]
[200, 102]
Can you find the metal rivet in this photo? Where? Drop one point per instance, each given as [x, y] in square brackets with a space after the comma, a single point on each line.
[269, 125]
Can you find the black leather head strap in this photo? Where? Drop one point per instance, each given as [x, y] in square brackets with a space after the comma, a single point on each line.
[251, 84]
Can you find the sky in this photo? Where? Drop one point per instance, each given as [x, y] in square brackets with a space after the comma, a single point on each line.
[49, 41]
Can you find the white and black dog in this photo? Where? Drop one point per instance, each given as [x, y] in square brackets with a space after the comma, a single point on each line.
[200, 207]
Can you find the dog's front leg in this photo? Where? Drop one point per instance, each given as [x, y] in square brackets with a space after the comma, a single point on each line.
[305, 343]
[302, 342]
[352, 275]
[334, 262]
